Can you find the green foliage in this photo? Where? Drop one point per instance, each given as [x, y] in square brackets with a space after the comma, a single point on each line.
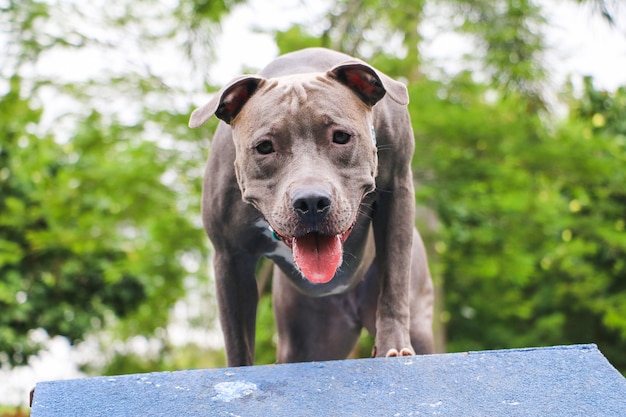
[532, 235]
[100, 207]
[266, 332]
[510, 34]
[14, 412]
[88, 231]
[294, 38]
[169, 358]
[367, 28]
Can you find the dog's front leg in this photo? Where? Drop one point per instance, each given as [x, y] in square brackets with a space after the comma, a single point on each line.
[237, 297]
[393, 223]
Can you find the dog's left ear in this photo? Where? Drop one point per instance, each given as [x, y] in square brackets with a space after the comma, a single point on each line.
[227, 104]
[369, 84]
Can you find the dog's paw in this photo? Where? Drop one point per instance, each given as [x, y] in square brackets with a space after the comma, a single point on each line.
[393, 353]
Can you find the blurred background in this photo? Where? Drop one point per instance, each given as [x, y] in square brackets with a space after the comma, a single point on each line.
[519, 113]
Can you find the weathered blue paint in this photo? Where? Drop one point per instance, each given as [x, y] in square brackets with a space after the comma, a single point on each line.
[557, 381]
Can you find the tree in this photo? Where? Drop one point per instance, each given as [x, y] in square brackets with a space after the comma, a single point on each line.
[88, 232]
[99, 195]
[532, 230]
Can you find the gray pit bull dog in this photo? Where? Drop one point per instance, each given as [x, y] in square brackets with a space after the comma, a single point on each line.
[311, 169]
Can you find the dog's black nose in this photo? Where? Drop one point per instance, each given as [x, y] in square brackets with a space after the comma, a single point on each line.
[312, 204]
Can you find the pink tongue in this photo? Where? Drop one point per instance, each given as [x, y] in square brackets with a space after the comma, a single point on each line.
[317, 256]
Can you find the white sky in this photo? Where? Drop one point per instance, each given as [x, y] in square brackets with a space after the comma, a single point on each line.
[582, 44]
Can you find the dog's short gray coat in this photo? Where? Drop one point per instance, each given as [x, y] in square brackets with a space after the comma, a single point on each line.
[316, 128]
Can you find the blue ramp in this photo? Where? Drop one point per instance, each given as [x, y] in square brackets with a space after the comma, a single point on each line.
[556, 381]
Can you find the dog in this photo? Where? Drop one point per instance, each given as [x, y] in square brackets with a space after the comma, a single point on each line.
[311, 168]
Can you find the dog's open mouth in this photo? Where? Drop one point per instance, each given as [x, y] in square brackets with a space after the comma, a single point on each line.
[318, 256]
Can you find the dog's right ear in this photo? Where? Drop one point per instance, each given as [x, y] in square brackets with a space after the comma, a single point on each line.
[227, 104]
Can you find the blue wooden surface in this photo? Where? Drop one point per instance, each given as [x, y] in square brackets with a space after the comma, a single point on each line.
[556, 381]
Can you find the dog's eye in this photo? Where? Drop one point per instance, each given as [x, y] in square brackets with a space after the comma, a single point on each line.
[341, 138]
[265, 147]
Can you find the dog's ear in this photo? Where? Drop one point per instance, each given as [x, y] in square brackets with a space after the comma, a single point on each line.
[227, 104]
[369, 84]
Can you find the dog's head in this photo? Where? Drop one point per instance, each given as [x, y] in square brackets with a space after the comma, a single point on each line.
[306, 153]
